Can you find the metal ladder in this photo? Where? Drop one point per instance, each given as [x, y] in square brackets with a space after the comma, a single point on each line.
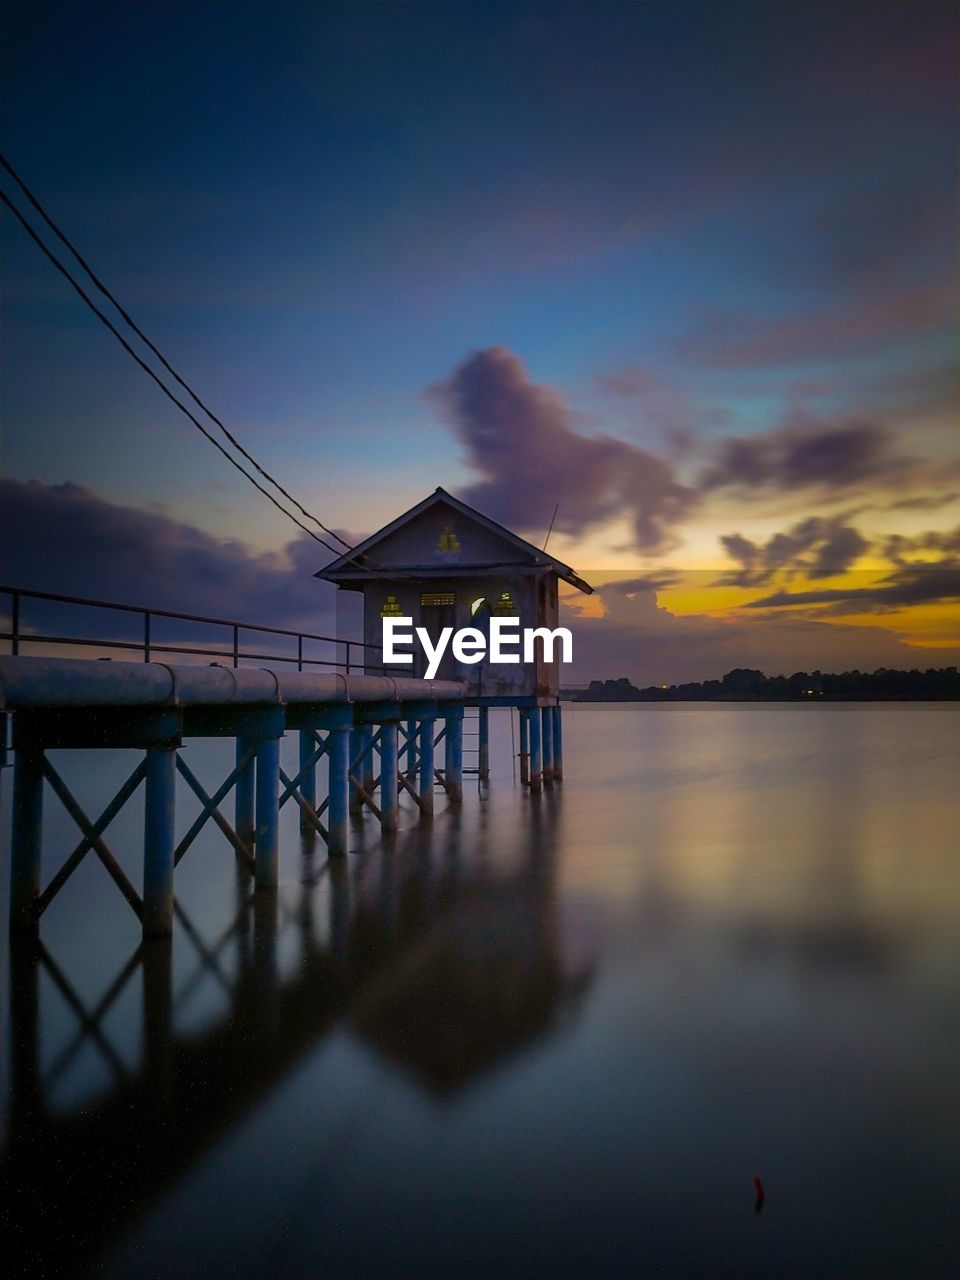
[471, 740]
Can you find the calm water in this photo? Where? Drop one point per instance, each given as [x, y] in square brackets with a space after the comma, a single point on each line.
[552, 1038]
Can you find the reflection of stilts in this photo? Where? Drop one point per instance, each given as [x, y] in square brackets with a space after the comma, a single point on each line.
[439, 938]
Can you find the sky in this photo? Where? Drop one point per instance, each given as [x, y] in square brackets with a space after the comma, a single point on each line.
[687, 272]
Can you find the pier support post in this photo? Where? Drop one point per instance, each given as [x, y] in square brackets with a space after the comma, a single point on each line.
[389, 763]
[557, 744]
[536, 758]
[483, 730]
[546, 722]
[267, 844]
[357, 745]
[159, 819]
[338, 761]
[411, 748]
[26, 837]
[426, 767]
[244, 824]
[453, 753]
[524, 747]
[157, 960]
[366, 773]
[308, 780]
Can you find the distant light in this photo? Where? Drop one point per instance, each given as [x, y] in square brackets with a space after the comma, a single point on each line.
[663, 686]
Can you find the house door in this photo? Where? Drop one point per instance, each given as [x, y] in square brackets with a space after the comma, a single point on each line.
[437, 610]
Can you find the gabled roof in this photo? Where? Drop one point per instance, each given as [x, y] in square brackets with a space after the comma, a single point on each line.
[351, 566]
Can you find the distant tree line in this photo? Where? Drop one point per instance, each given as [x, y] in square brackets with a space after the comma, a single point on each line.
[744, 684]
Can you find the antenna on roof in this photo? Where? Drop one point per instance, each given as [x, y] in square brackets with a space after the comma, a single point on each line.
[550, 530]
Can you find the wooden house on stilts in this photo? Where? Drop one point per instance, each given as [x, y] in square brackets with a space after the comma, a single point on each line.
[445, 564]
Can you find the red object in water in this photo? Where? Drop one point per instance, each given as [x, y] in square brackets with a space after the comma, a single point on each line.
[758, 1186]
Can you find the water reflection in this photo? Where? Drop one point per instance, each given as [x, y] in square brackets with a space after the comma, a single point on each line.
[419, 1062]
[439, 962]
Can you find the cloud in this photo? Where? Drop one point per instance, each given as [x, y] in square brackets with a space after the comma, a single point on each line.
[818, 546]
[742, 340]
[924, 502]
[66, 539]
[638, 638]
[898, 546]
[833, 457]
[911, 585]
[521, 438]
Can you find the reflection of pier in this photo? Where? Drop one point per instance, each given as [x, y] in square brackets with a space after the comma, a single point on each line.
[416, 936]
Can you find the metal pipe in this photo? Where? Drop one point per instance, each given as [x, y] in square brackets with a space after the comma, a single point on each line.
[389, 765]
[27, 837]
[524, 747]
[536, 758]
[243, 796]
[453, 755]
[267, 843]
[159, 842]
[356, 767]
[483, 729]
[557, 744]
[338, 758]
[411, 748]
[308, 777]
[546, 722]
[426, 767]
[78, 682]
[367, 774]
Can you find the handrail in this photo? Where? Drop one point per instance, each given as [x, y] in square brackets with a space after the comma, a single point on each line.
[148, 646]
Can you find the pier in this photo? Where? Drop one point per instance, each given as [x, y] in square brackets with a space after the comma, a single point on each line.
[377, 735]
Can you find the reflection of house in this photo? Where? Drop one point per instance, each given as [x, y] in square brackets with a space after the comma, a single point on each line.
[443, 564]
[479, 989]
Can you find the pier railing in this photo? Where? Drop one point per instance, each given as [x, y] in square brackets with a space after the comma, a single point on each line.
[22, 637]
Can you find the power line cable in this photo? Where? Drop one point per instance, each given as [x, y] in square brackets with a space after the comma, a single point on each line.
[159, 354]
[147, 370]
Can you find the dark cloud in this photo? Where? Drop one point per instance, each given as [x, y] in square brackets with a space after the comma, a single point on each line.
[817, 546]
[911, 585]
[899, 547]
[828, 456]
[63, 538]
[738, 340]
[924, 502]
[520, 437]
[637, 637]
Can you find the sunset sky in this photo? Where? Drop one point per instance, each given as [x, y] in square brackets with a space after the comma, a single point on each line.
[688, 271]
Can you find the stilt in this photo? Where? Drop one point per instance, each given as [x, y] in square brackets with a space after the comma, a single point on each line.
[26, 837]
[389, 763]
[536, 758]
[26, 1094]
[557, 744]
[356, 750]
[426, 767]
[267, 843]
[453, 755]
[367, 774]
[524, 746]
[338, 763]
[411, 748]
[546, 722]
[308, 781]
[159, 841]
[243, 796]
[483, 729]
[157, 959]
